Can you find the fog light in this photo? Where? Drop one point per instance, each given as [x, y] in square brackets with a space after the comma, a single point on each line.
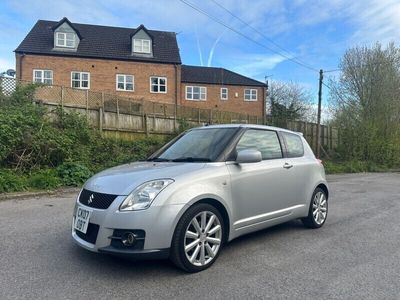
[128, 239]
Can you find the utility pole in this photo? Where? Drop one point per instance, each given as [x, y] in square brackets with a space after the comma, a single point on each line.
[321, 77]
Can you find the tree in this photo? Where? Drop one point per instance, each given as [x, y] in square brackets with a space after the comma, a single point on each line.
[366, 102]
[289, 102]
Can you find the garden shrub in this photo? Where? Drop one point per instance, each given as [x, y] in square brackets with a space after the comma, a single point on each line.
[73, 173]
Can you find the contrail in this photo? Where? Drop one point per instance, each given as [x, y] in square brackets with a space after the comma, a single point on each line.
[198, 46]
[210, 56]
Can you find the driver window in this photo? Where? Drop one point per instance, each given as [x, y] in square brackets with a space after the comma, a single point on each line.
[265, 141]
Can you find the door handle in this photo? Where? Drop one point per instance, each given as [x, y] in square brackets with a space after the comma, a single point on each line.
[287, 166]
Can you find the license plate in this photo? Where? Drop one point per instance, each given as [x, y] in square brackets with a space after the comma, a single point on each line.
[82, 219]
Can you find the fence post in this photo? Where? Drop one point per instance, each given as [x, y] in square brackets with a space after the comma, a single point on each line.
[62, 98]
[146, 128]
[87, 105]
[117, 113]
[102, 100]
[101, 120]
[198, 115]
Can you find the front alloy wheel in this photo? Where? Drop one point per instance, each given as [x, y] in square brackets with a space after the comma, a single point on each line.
[198, 238]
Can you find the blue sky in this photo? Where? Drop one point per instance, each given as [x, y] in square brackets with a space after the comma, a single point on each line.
[314, 32]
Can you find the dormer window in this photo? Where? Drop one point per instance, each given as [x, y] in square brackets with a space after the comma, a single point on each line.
[141, 46]
[65, 39]
[142, 42]
[66, 36]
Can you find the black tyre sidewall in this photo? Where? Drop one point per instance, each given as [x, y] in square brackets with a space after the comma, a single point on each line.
[181, 231]
[309, 221]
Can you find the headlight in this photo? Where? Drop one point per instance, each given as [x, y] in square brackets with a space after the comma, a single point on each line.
[143, 195]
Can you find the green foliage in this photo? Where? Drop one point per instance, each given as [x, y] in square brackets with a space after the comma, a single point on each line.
[44, 180]
[73, 173]
[12, 182]
[353, 166]
[366, 106]
[34, 140]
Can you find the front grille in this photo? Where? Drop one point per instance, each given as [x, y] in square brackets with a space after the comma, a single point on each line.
[91, 234]
[96, 200]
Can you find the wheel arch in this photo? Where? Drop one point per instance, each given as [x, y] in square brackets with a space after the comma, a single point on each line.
[222, 210]
[323, 187]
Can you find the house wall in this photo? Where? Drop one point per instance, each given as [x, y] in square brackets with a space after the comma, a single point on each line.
[103, 74]
[235, 102]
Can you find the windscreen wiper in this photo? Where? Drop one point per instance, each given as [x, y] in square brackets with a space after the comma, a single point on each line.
[158, 159]
[191, 159]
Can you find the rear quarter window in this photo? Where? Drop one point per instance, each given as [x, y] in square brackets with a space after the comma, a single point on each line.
[294, 144]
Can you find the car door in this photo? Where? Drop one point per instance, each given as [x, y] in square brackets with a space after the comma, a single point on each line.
[298, 166]
[259, 190]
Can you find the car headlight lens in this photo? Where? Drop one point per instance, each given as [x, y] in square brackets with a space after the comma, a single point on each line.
[143, 195]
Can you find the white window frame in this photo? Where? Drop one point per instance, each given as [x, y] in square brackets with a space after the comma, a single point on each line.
[42, 78]
[158, 84]
[202, 92]
[141, 44]
[80, 80]
[124, 83]
[226, 93]
[63, 37]
[252, 93]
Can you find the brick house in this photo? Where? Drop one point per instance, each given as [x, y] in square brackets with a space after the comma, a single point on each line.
[130, 62]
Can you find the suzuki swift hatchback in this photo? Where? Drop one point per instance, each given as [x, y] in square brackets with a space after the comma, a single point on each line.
[203, 189]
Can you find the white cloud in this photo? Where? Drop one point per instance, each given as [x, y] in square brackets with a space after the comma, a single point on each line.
[6, 64]
[380, 22]
[258, 65]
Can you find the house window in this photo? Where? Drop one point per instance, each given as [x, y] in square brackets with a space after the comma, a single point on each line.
[141, 46]
[224, 94]
[250, 95]
[43, 76]
[80, 80]
[196, 93]
[158, 85]
[125, 82]
[65, 39]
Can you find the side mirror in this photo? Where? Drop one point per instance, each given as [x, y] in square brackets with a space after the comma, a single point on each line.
[248, 156]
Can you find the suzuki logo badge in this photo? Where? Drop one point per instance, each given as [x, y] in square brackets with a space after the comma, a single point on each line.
[90, 199]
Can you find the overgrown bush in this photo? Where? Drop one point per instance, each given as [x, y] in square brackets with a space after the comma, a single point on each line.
[11, 182]
[44, 180]
[73, 173]
[33, 139]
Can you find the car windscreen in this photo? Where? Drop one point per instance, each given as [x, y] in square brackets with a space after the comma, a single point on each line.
[198, 145]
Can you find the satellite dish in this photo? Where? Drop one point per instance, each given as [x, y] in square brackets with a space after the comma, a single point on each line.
[10, 72]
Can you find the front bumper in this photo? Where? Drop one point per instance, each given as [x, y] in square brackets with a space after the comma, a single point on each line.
[157, 222]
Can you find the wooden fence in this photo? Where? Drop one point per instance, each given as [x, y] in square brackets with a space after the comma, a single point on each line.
[126, 118]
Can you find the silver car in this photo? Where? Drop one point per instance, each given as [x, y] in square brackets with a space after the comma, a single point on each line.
[201, 190]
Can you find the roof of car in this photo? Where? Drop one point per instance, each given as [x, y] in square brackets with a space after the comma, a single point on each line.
[248, 126]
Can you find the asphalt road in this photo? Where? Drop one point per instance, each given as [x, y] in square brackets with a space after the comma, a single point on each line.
[356, 255]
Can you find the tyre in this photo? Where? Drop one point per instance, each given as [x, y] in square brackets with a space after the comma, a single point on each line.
[198, 238]
[318, 211]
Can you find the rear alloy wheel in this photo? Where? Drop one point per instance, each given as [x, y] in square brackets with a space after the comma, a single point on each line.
[318, 210]
[198, 238]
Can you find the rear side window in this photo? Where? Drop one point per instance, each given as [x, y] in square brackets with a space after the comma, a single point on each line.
[265, 141]
[294, 144]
